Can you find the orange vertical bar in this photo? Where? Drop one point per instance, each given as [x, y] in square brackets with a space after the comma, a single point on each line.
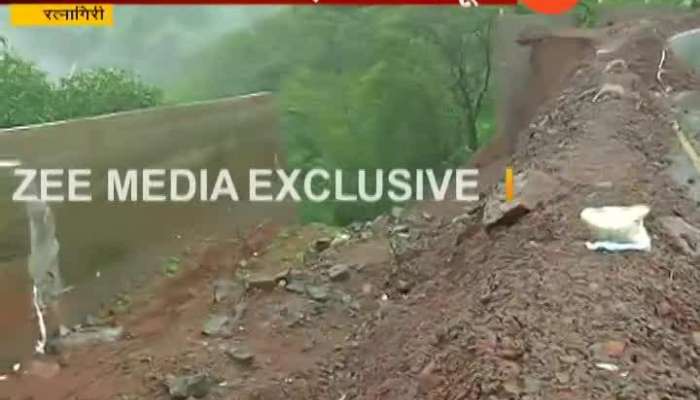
[510, 189]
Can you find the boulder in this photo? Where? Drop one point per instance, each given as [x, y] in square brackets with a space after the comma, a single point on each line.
[267, 279]
[339, 272]
[241, 355]
[217, 325]
[86, 336]
[317, 293]
[322, 244]
[228, 290]
[184, 387]
[532, 189]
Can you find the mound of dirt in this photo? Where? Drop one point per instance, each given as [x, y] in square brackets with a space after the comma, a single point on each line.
[527, 311]
[428, 306]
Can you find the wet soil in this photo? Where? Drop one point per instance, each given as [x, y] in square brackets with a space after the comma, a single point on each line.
[431, 307]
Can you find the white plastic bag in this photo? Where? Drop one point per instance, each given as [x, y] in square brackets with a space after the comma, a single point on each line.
[617, 228]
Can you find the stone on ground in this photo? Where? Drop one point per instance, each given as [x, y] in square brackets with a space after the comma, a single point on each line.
[183, 387]
[532, 189]
[685, 236]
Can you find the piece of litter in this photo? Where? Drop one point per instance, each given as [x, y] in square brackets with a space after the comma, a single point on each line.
[16, 367]
[3, 378]
[10, 163]
[608, 367]
[617, 228]
[40, 346]
[614, 247]
[385, 297]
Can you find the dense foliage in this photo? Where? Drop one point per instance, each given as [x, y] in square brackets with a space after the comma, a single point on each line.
[29, 97]
[361, 87]
[26, 93]
[102, 91]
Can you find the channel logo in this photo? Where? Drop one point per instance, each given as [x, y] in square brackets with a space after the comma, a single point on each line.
[550, 6]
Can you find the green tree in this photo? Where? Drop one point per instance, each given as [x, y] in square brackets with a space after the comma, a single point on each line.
[26, 93]
[361, 88]
[464, 45]
[102, 91]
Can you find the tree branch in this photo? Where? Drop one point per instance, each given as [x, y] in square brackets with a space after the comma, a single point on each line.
[486, 43]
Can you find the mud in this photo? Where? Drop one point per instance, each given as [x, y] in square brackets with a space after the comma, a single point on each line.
[436, 307]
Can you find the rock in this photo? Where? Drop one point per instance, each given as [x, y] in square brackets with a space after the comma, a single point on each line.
[340, 240]
[696, 338]
[339, 272]
[43, 369]
[685, 236]
[267, 280]
[532, 385]
[241, 355]
[322, 244]
[262, 282]
[183, 387]
[367, 289]
[356, 226]
[399, 229]
[296, 286]
[532, 189]
[427, 379]
[664, 309]
[608, 350]
[227, 290]
[497, 212]
[217, 325]
[608, 367]
[397, 212]
[238, 312]
[317, 293]
[404, 286]
[91, 320]
[461, 218]
[87, 336]
[568, 359]
[614, 348]
[473, 208]
[513, 387]
[563, 377]
[63, 331]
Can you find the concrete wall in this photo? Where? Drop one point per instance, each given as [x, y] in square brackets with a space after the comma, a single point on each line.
[127, 240]
[520, 85]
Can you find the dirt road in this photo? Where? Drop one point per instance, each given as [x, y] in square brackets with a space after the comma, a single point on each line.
[427, 306]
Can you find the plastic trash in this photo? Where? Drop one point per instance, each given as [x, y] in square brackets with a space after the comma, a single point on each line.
[608, 367]
[617, 229]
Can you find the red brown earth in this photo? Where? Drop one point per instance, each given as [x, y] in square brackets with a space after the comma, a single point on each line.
[437, 307]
